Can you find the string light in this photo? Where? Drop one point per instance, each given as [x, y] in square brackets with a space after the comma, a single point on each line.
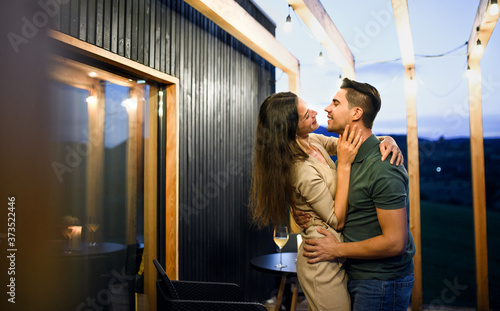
[130, 103]
[91, 100]
[339, 82]
[321, 60]
[493, 7]
[479, 47]
[288, 23]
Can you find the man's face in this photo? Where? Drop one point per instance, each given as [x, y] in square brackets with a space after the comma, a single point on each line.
[338, 113]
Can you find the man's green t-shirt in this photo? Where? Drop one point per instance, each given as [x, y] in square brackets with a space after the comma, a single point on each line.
[376, 184]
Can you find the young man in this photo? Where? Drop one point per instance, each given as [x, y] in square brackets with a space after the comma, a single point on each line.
[378, 244]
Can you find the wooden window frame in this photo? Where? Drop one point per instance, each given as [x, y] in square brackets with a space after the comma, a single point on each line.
[170, 111]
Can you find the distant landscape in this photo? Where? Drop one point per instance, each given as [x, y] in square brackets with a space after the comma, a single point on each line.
[447, 224]
[445, 169]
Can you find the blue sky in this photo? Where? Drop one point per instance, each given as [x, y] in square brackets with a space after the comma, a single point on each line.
[369, 30]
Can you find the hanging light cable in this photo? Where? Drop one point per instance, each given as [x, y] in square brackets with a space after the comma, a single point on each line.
[288, 23]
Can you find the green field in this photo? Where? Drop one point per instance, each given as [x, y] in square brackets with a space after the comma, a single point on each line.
[448, 258]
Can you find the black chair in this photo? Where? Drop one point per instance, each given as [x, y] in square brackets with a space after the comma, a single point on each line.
[200, 296]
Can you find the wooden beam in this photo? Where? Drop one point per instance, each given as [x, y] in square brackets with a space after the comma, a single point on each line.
[150, 201]
[483, 26]
[231, 17]
[478, 185]
[402, 19]
[172, 182]
[131, 173]
[113, 59]
[95, 159]
[414, 177]
[324, 30]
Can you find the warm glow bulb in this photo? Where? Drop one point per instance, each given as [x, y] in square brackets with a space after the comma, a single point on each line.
[321, 59]
[92, 74]
[468, 73]
[130, 103]
[493, 9]
[91, 100]
[479, 47]
[288, 24]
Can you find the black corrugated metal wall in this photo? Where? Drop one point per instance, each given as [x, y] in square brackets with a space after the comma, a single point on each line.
[222, 83]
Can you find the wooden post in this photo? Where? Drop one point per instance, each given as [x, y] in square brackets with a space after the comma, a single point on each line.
[172, 182]
[482, 28]
[150, 200]
[414, 176]
[478, 184]
[95, 156]
[131, 170]
[402, 19]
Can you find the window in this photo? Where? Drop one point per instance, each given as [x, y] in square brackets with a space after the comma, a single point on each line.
[101, 124]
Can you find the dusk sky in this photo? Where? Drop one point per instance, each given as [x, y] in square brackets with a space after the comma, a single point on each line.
[369, 30]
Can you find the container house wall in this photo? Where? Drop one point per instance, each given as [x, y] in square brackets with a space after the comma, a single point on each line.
[221, 84]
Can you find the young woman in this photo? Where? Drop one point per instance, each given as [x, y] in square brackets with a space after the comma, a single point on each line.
[291, 165]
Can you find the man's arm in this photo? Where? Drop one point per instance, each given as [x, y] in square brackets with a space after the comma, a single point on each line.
[391, 242]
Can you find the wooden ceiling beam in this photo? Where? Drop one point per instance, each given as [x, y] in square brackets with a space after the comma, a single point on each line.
[483, 26]
[324, 30]
[402, 19]
[231, 17]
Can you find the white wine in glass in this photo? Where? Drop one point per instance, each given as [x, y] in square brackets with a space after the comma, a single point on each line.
[92, 227]
[280, 238]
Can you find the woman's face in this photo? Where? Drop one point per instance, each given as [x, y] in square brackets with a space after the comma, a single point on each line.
[307, 119]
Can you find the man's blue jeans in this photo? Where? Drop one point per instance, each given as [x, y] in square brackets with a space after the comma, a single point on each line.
[376, 295]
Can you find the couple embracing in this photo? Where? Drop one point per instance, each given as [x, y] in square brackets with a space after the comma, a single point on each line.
[353, 215]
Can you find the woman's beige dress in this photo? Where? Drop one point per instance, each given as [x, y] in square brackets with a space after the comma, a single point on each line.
[314, 183]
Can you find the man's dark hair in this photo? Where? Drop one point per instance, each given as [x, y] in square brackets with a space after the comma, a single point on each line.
[365, 96]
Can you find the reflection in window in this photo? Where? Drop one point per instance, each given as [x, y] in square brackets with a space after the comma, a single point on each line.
[99, 142]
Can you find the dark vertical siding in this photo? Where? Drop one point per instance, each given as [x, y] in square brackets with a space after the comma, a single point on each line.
[222, 83]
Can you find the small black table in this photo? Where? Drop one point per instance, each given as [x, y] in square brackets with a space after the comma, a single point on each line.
[267, 263]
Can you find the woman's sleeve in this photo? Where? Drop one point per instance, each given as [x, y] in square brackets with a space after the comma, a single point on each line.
[328, 142]
[312, 187]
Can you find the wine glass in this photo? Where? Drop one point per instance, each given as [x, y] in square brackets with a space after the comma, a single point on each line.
[280, 238]
[66, 232]
[92, 227]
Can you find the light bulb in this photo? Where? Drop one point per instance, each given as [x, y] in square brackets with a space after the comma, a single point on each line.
[479, 47]
[468, 73]
[91, 100]
[321, 60]
[493, 7]
[130, 103]
[288, 24]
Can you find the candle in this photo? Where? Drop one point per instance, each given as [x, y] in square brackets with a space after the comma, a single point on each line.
[75, 237]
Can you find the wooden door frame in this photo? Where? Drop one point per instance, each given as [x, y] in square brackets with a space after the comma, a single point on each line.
[168, 102]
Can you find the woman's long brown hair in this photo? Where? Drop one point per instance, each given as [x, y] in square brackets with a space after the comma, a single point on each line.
[275, 150]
